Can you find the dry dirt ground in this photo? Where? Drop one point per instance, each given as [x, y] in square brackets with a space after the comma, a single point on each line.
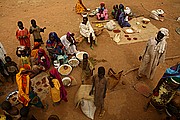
[58, 15]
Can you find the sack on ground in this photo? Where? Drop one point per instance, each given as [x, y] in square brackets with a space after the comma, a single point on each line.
[88, 108]
[110, 25]
[83, 92]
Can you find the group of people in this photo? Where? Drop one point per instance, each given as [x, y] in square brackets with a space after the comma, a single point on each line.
[121, 15]
[34, 60]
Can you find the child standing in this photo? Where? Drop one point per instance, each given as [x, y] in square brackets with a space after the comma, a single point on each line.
[11, 68]
[23, 35]
[35, 30]
[100, 84]
[24, 55]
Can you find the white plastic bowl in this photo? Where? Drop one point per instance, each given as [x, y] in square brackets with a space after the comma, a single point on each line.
[79, 55]
[66, 81]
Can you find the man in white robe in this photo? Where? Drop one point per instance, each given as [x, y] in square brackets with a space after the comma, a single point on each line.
[69, 43]
[87, 31]
[153, 54]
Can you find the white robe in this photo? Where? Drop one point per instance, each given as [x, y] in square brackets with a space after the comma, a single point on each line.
[2, 52]
[85, 30]
[152, 56]
[71, 49]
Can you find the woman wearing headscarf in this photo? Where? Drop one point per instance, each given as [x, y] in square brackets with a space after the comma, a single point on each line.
[153, 54]
[69, 43]
[57, 86]
[23, 83]
[43, 59]
[123, 17]
[166, 88]
[54, 46]
[102, 12]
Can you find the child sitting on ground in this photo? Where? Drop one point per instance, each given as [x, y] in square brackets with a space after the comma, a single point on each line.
[11, 68]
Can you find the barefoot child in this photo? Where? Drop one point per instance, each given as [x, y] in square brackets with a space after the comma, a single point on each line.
[11, 68]
[35, 30]
[100, 84]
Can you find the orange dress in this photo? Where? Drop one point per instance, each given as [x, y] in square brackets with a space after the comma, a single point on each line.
[24, 37]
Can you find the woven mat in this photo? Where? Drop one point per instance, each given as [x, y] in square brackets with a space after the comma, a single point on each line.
[143, 89]
[40, 84]
[143, 35]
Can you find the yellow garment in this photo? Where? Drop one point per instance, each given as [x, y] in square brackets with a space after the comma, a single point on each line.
[79, 7]
[55, 91]
[34, 53]
[24, 60]
[23, 95]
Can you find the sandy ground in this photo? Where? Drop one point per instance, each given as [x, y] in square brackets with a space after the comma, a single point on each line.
[59, 16]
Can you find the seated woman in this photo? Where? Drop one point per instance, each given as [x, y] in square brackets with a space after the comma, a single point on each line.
[119, 10]
[54, 46]
[87, 31]
[34, 52]
[102, 12]
[123, 18]
[166, 88]
[43, 62]
[80, 7]
[69, 43]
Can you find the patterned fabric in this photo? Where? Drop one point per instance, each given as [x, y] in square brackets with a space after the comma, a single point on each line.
[23, 87]
[79, 7]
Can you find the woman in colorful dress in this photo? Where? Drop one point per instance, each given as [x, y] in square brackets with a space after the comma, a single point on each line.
[166, 88]
[102, 12]
[57, 86]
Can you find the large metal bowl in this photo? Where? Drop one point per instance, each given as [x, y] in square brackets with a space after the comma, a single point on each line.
[65, 69]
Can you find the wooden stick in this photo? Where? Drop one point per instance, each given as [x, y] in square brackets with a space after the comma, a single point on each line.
[136, 68]
[103, 21]
[130, 70]
[174, 57]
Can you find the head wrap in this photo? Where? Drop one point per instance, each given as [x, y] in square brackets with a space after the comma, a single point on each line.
[102, 3]
[68, 34]
[121, 7]
[164, 31]
[53, 34]
[47, 65]
[54, 72]
[173, 73]
[127, 10]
